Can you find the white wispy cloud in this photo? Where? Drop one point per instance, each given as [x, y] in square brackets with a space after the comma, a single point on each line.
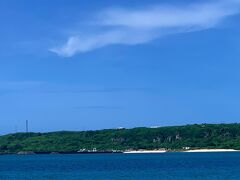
[136, 26]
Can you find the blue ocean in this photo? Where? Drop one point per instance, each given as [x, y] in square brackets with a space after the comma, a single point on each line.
[122, 166]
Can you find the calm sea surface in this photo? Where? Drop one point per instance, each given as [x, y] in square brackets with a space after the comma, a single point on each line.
[122, 166]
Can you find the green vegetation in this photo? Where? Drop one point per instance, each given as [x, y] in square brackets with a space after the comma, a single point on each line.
[173, 138]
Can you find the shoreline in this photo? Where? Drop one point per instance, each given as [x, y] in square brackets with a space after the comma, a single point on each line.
[212, 150]
[127, 152]
[144, 151]
[187, 151]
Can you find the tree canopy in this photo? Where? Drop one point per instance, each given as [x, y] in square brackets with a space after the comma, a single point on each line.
[172, 138]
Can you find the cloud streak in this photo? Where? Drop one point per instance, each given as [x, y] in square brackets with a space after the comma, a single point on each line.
[138, 26]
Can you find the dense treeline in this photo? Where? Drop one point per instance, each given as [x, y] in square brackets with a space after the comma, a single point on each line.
[172, 138]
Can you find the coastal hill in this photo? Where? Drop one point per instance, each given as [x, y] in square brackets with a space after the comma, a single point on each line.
[173, 138]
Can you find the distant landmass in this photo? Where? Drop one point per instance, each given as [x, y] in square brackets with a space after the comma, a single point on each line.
[172, 138]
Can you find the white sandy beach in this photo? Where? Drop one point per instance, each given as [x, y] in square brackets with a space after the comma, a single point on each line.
[212, 150]
[191, 151]
[145, 151]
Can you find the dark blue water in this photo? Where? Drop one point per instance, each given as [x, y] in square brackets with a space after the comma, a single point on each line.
[122, 166]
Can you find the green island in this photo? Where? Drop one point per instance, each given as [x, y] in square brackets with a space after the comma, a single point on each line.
[172, 138]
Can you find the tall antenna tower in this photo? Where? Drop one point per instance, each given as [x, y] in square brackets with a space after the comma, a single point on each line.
[26, 126]
[16, 129]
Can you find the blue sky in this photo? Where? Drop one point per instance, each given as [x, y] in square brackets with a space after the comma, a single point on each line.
[75, 65]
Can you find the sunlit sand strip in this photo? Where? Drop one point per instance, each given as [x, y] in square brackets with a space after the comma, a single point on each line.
[144, 151]
[212, 150]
